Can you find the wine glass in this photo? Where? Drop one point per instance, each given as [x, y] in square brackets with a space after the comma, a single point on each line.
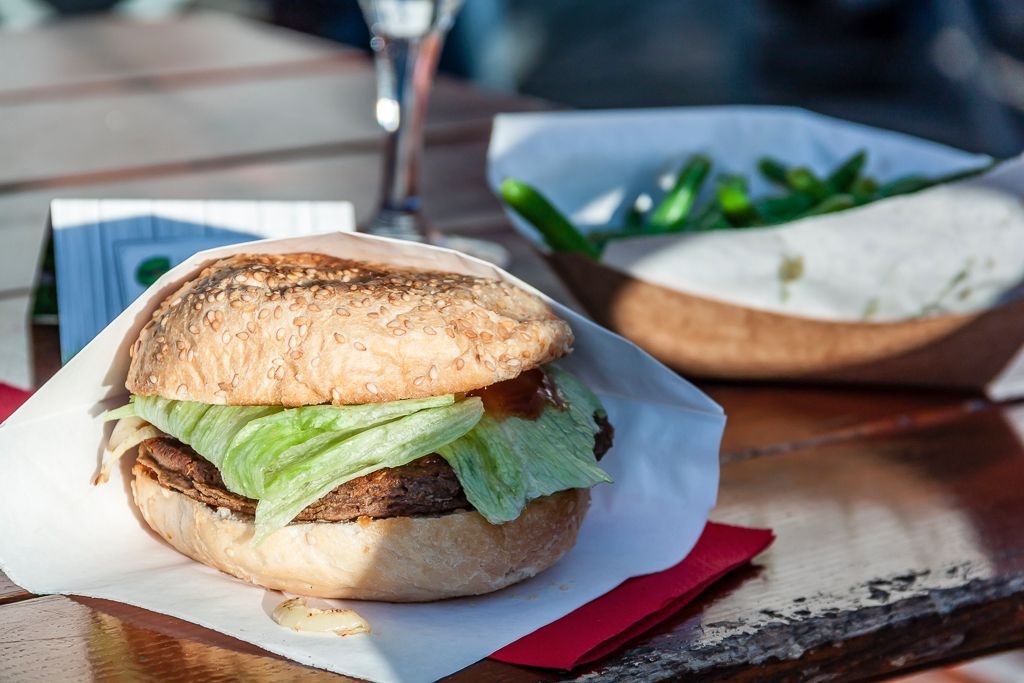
[407, 39]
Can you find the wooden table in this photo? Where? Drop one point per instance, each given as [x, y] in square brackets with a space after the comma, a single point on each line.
[898, 514]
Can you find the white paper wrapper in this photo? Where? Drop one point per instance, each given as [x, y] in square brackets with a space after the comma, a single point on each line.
[60, 534]
[953, 249]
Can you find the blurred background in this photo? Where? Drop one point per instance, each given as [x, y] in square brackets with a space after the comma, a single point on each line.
[949, 70]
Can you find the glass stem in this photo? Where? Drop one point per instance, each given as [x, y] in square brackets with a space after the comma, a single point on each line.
[405, 69]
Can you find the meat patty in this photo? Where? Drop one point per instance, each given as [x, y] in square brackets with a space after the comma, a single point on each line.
[427, 486]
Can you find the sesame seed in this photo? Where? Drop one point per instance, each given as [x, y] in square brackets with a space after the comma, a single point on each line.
[293, 341]
[429, 330]
[226, 337]
[300, 321]
[335, 395]
[303, 329]
[459, 363]
[263, 314]
[433, 373]
[278, 312]
[152, 379]
[280, 334]
[236, 304]
[398, 333]
[296, 354]
[490, 365]
[191, 355]
[270, 372]
[342, 312]
[359, 346]
[372, 388]
[194, 329]
[315, 361]
[250, 327]
[450, 332]
[339, 337]
[280, 373]
[486, 336]
[242, 335]
[373, 315]
[278, 362]
[419, 380]
[314, 308]
[182, 389]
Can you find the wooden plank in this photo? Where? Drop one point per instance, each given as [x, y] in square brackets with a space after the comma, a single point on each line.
[79, 56]
[892, 552]
[769, 418]
[133, 133]
[56, 638]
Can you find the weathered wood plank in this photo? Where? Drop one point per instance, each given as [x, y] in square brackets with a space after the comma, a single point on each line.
[76, 57]
[892, 552]
[770, 418]
[227, 122]
[56, 638]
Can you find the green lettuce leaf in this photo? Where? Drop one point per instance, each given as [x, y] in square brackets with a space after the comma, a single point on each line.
[249, 444]
[504, 463]
[288, 458]
[266, 445]
[333, 460]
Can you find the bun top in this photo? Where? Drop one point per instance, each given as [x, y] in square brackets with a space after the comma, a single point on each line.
[304, 329]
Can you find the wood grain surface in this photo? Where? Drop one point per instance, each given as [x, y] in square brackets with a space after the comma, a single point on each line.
[83, 57]
[897, 513]
[114, 135]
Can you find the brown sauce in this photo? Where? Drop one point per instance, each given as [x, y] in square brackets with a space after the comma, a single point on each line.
[524, 396]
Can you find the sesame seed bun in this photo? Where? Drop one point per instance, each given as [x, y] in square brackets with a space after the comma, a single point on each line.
[398, 559]
[304, 329]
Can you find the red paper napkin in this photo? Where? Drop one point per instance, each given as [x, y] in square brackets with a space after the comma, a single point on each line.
[11, 399]
[637, 605]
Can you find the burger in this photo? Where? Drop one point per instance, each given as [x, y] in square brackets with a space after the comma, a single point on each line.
[344, 429]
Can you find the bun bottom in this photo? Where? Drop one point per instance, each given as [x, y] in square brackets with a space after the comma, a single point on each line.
[397, 559]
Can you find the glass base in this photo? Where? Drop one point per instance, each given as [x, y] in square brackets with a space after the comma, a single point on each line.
[411, 226]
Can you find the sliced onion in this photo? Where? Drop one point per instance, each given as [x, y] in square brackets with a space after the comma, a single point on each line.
[128, 433]
[298, 616]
